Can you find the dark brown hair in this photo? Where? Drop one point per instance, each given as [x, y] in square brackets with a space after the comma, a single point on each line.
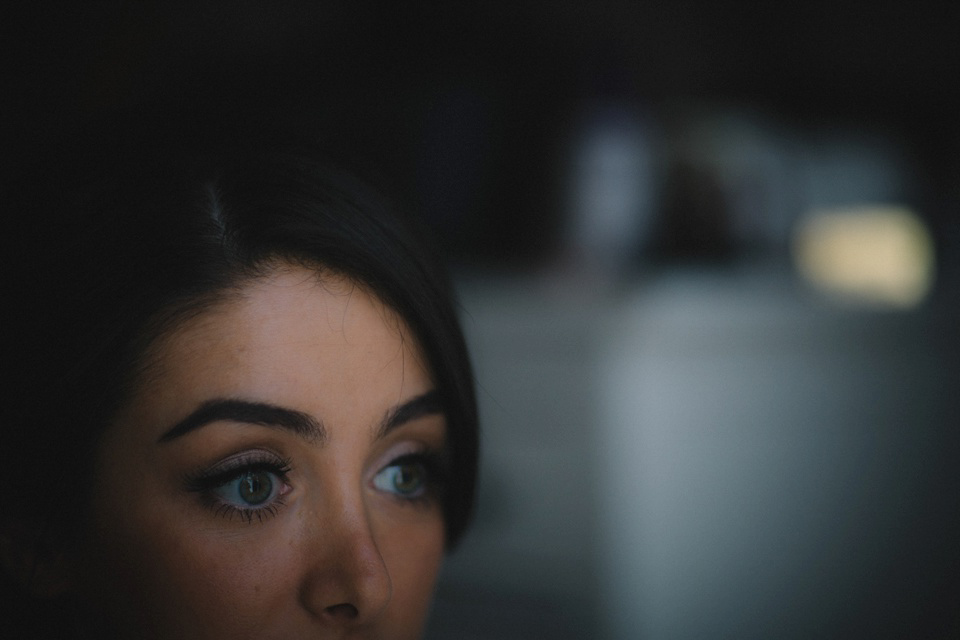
[102, 258]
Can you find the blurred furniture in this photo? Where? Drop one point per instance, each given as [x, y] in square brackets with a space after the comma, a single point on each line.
[707, 455]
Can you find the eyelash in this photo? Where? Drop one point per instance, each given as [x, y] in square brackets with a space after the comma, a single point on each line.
[207, 483]
[434, 466]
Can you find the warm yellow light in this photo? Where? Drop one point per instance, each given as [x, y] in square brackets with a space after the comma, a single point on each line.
[872, 253]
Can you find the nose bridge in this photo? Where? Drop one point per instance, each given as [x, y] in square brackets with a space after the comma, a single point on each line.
[346, 581]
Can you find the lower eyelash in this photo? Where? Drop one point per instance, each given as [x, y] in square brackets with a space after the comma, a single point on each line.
[228, 511]
[206, 482]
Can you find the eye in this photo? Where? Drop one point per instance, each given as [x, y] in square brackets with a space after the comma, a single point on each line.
[405, 477]
[251, 485]
[251, 488]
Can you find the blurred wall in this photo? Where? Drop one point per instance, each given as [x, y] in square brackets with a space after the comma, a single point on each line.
[708, 454]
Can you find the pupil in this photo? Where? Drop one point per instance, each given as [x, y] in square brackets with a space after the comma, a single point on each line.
[408, 478]
[255, 487]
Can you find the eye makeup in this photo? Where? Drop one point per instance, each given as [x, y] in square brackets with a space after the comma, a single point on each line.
[417, 477]
[250, 485]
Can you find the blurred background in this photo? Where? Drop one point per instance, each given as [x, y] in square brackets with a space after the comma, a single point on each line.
[708, 256]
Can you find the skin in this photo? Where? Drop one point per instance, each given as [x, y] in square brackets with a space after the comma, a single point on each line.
[339, 553]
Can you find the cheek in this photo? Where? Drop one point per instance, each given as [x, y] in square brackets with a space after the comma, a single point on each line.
[414, 558]
[155, 556]
[180, 577]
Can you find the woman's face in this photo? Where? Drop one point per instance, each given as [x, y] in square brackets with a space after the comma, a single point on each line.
[274, 476]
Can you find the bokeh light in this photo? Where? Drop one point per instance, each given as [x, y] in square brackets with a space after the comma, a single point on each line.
[875, 254]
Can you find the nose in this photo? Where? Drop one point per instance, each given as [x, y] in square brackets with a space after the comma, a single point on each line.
[346, 582]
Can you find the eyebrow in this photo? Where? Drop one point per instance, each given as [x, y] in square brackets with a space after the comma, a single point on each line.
[298, 422]
[417, 407]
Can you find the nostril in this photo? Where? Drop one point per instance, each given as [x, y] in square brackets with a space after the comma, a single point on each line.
[344, 611]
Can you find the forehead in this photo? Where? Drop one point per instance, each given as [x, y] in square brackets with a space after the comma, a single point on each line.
[318, 343]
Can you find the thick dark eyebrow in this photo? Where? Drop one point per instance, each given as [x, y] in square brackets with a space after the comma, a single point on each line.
[302, 424]
[258, 413]
[417, 407]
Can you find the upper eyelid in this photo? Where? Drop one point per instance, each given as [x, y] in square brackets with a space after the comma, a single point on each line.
[413, 456]
[228, 475]
[227, 468]
[249, 457]
[403, 449]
